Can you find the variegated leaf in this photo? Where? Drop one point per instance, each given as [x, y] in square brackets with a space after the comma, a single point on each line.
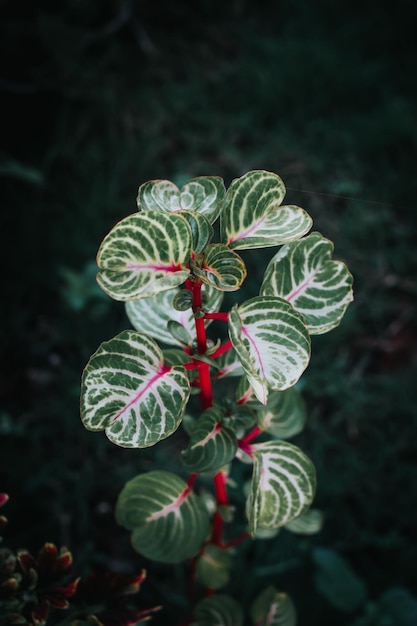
[218, 610]
[213, 567]
[222, 268]
[309, 523]
[168, 520]
[152, 315]
[129, 392]
[273, 608]
[271, 341]
[145, 253]
[304, 274]
[212, 444]
[203, 194]
[282, 487]
[201, 229]
[284, 416]
[252, 215]
[229, 365]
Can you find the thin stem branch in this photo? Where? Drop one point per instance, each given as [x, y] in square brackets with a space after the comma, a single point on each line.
[222, 316]
[225, 347]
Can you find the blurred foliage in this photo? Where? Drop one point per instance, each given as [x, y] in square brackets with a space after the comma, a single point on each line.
[100, 97]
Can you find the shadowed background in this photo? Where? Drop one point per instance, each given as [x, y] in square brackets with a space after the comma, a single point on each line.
[97, 98]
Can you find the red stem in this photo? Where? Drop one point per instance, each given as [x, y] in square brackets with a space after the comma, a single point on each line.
[223, 348]
[223, 316]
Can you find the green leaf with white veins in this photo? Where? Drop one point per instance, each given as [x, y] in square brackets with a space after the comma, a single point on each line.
[272, 343]
[129, 392]
[273, 608]
[201, 229]
[282, 487]
[203, 194]
[212, 444]
[169, 521]
[218, 610]
[145, 253]
[152, 315]
[222, 268]
[284, 416]
[252, 215]
[304, 274]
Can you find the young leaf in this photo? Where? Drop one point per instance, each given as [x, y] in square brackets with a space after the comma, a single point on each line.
[213, 567]
[310, 523]
[273, 608]
[201, 229]
[129, 392]
[212, 445]
[252, 216]
[304, 274]
[145, 253]
[282, 487]
[284, 415]
[271, 341]
[222, 268]
[152, 315]
[218, 610]
[203, 194]
[168, 520]
[229, 365]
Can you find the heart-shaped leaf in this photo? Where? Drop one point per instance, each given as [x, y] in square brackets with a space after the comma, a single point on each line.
[129, 392]
[271, 341]
[218, 610]
[203, 194]
[222, 268]
[168, 520]
[282, 487]
[284, 416]
[273, 608]
[145, 253]
[252, 215]
[212, 444]
[152, 315]
[304, 274]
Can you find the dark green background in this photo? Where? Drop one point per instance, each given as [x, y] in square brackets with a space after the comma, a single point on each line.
[98, 97]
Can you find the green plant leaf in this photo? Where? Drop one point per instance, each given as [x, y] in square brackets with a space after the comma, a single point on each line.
[168, 520]
[282, 487]
[203, 194]
[152, 315]
[218, 610]
[229, 365]
[336, 580]
[304, 274]
[201, 229]
[222, 268]
[212, 444]
[252, 215]
[129, 392]
[271, 341]
[145, 253]
[213, 567]
[273, 608]
[309, 523]
[284, 416]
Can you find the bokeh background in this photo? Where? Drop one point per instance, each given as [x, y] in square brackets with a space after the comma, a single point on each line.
[96, 98]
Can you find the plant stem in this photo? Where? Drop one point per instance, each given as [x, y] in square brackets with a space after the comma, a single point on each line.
[206, 391]
[223, 316]
[223, 348]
